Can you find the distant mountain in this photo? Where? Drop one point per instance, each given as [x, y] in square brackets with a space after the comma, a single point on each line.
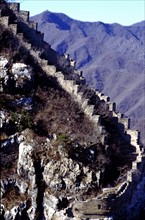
[111, 56]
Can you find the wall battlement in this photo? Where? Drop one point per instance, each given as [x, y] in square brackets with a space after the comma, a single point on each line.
[14, 6]
[71, 80]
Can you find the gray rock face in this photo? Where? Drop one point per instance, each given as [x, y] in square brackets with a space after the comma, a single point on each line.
[50, 205]
[68, 175]
[19, 78]
[57, 185]
[11, 215]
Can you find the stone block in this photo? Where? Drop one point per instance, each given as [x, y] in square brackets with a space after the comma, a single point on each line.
[112, 106]
[134, 165]
[96, 119]
[105, 98]
[125, 122]
[4, 20]
[134, 136]
[89, 110]
[23, 15]
[129, 176]
[33, 25]
[14, 6]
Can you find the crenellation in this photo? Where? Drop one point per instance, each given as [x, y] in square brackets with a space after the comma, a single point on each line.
[125, 122]
[4, 20]
[78, 72]
[66, 56]
[33, 25]
[23, 16]
[72, 63]
[134, 165]
[112, 106]
[134, 136]
[119, 115]
[129, 176]
[105, 98]
[15, 7]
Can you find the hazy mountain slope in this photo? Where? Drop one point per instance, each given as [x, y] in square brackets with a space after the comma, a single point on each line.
[111, 56]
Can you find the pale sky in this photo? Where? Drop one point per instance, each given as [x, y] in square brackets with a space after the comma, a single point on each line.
[125, 12]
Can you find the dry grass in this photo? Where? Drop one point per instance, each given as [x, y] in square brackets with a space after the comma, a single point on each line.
[12, 197]
[61, 115]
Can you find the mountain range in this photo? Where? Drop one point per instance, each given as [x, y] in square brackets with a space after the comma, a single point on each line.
[111, 57]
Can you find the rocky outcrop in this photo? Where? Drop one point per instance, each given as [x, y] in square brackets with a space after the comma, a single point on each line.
[17, 77]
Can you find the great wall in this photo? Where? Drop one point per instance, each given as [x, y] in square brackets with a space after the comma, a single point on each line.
[72, 81]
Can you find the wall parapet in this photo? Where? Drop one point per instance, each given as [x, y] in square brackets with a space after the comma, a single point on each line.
[14, 6]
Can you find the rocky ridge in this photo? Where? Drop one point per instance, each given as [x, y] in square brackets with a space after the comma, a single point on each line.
[51, 179]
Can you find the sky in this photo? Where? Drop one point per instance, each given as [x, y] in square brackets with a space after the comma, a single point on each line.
[125, 12]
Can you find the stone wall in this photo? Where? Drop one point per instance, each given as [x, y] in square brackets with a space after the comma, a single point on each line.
[72, 81]
[66, 64]
[29, 28]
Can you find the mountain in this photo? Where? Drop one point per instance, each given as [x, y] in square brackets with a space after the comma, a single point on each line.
[110, 55]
